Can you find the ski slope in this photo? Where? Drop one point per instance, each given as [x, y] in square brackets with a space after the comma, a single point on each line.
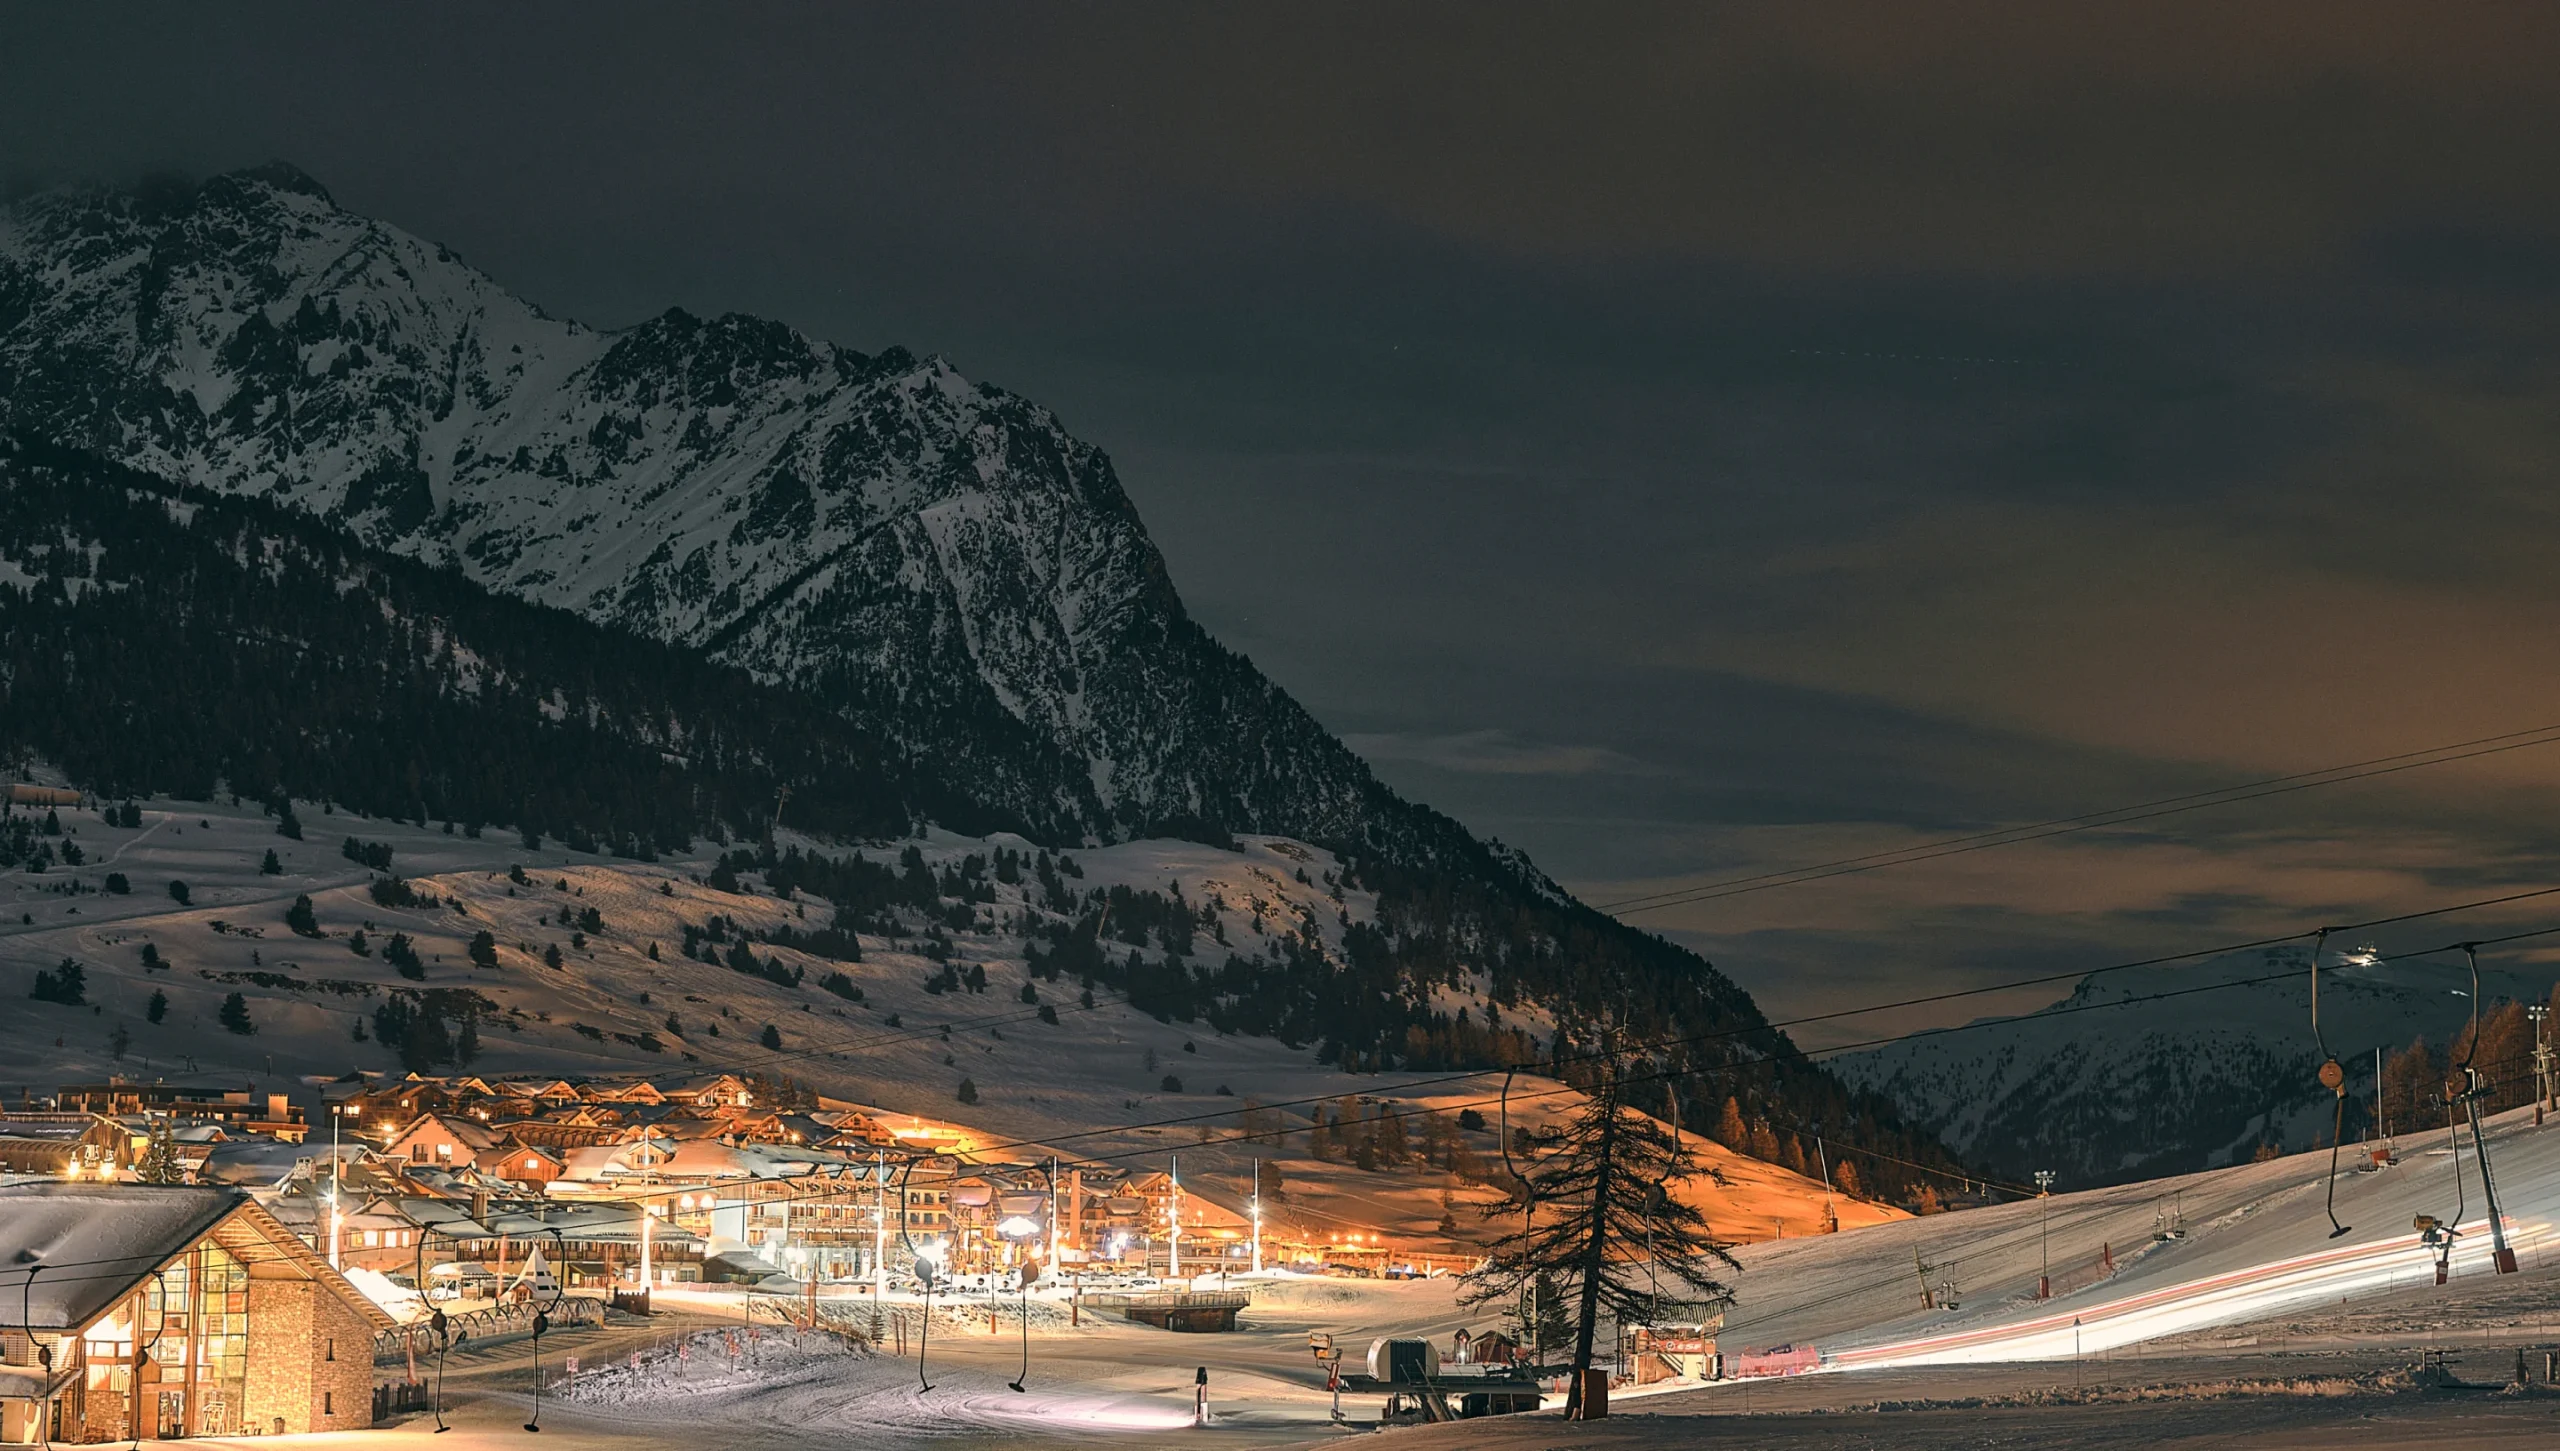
[2257, 1244]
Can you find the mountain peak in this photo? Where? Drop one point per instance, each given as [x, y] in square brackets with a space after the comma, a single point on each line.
[940, 560]
[280, 176]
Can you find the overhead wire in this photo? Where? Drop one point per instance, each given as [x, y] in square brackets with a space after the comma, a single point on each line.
[1779, 1025]
[1564, 1089]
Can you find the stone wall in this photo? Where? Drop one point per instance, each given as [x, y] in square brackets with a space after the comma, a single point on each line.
[342, 1388]
[281, 1352]
[310, 1359]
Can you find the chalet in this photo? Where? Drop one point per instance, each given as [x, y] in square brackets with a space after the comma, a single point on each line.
[712, 1091]
[529, 1164]
[442, 1141]
[176, 1312]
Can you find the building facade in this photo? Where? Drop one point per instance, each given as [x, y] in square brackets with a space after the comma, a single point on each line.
[173, 1311]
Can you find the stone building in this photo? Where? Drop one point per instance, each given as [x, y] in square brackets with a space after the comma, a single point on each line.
[167, 1311]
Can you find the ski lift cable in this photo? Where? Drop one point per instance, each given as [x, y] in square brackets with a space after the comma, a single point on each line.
[253, 1257]
[1693, 1040]
[1982, 1246]
[1921, 1000]
[258, 1257]
[842, 1046]
[1564, 1089]
[1833, 1050]
[2088, 821]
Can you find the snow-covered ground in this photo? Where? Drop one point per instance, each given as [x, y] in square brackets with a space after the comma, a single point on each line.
[1091, 1086]
[2257, 1244]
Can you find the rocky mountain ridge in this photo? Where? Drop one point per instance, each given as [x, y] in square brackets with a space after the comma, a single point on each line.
[936, 558]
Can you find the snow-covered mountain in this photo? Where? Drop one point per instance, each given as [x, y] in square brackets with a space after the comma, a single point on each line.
[937, 558]
[934, 563]
[2168, 1069]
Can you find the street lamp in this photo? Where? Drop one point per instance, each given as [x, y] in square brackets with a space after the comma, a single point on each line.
[648, 1222]
[337, 1171]
[2541, 1060]
[1173, 1221]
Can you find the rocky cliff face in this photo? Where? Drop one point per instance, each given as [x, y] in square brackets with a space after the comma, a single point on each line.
[936, 558]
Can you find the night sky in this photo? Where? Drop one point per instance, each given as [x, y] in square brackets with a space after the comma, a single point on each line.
[1682, 442]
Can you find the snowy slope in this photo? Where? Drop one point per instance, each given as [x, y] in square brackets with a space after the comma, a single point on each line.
[1090, 1086]
[2256, 1244]
[937, 557]
[2118, 1082]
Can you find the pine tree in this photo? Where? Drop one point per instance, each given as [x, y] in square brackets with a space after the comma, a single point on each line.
[402, 954]
[466, 1044]
[300, 917]
[1730, 1130]
[1610, 1234]
[272, 866]
[158, 1008]
[235, 1015]
[160, 1163]
[67, 984]
[968, 1090]
[771, 1038]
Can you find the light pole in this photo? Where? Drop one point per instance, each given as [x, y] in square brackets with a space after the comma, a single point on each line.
[648, 1222]
[1256, 1207]
[337, 1171]
[2541, 1060]
[2044, 1233]
[1173, 1225]
[879, 1230]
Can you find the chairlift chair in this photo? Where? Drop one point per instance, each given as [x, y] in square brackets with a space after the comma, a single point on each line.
[2464, 1092]
[2333, 1077]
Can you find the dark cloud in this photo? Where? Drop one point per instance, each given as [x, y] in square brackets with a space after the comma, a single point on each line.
[1683, 440]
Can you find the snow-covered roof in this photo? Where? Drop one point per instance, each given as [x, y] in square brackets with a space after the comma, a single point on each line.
[589, 1223]
[100, 1240]
[264, 1163]
[87, 1244]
